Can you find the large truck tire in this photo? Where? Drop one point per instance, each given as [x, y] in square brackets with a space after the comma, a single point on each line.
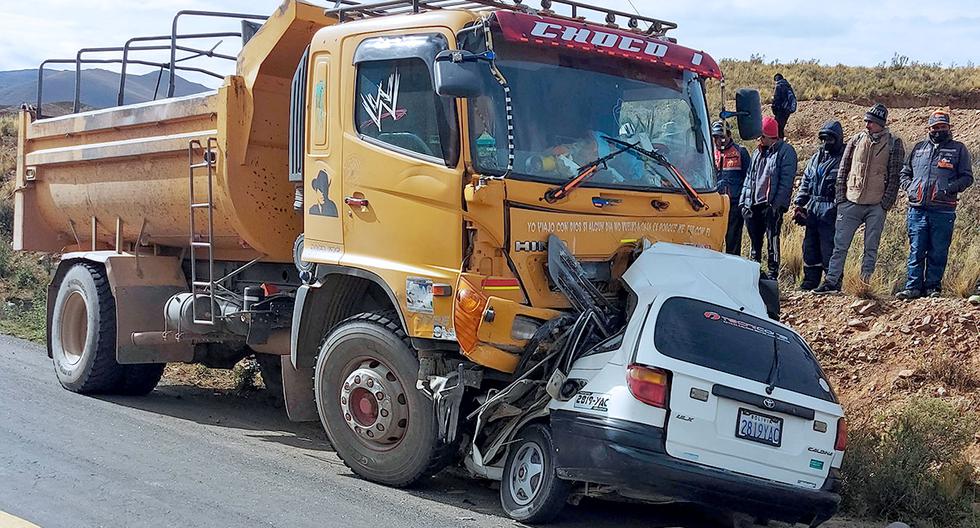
[83, 332]
[140, 380]
[530, 490]
[380, 425]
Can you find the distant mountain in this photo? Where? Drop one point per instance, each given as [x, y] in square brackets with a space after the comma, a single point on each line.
[99, 87]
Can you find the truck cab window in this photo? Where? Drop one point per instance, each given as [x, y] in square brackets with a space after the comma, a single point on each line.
[397, 105]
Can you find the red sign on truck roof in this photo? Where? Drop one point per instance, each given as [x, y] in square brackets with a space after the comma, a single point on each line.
[559, 33]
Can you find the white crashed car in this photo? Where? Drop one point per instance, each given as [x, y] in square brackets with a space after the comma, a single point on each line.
[700, 398]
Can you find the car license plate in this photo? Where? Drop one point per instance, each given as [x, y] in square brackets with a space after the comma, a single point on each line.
[759, 427]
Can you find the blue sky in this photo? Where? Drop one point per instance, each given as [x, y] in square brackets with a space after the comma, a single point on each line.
[831, 31]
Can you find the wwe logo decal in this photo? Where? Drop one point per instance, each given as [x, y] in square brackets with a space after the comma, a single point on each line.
[385, 103]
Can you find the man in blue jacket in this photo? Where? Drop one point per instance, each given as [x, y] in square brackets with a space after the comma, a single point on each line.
[937, 170]
[766, 193]
[732, 162]
[816, 204]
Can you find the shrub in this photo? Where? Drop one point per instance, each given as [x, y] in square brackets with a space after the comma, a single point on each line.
[911, 465]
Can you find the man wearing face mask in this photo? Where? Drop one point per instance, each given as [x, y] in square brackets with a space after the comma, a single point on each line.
[867, 187]
[732, 162]
[938, 169]
[766, 193]
[816, 206]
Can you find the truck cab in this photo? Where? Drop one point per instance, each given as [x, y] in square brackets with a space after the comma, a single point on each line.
[449, 200]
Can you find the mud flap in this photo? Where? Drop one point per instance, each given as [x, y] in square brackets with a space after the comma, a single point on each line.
[769, 290]
[297, 392]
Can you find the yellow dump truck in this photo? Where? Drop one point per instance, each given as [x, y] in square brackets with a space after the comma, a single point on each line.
[365, 205]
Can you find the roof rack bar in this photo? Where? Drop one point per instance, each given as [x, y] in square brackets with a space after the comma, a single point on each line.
[173, 35]
[352, 9]
[121, 97]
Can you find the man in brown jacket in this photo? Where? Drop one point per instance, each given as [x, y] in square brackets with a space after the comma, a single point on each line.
[867, 187]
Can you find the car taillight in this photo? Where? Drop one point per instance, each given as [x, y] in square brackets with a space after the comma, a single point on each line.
[841, 443]
[467, 312]
[649, 385]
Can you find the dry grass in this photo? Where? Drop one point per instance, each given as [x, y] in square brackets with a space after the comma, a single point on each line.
[901, 83]
[962, 272]
[910, 463]
[948, 370]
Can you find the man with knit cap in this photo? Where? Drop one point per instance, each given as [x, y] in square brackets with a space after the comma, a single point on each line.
[938, 169]
[816, 203]
[866, 188]
[732, 162]
[766, 193]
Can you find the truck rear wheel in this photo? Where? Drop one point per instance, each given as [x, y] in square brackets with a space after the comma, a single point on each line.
[83, 338]
[83, 332]
[380, 425]
[530, 490]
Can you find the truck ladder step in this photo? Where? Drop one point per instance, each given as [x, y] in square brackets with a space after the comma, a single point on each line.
[202, 285]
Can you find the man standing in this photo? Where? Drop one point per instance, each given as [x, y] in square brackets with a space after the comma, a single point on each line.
[867, 187]
[816, 204]
[938, 169]
[783, 102]
[766, 193]
[732, 162]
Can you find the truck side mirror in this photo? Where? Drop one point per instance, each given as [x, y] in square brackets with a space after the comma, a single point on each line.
[459, 73]
[748, 111]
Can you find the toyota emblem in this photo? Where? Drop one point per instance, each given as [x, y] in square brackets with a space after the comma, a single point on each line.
[713, 316]
[769, 403]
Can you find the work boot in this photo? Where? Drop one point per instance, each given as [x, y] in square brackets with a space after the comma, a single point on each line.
[811, 277]
[933, 292]
[908, 294]
[975, 299]
[827, 288]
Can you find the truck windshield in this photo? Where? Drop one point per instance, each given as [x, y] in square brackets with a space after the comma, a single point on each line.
[565, 103]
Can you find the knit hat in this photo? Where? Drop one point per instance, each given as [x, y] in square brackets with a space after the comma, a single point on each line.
[877, 114]
[939, 117]
[770, 128]
[719, 129]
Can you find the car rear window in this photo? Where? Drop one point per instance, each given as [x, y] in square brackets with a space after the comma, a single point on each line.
[737, 343]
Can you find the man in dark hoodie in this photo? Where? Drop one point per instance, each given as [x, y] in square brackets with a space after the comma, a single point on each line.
[938, 169]
[783, 102]
[816, 206]
[766, 193]
[867, 188]
[732, 162]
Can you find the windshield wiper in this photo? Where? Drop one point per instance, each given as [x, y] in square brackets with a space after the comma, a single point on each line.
[774, 369]
[584, 173]
[692, 196]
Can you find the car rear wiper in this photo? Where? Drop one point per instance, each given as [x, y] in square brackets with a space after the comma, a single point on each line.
[584, 173]
[774, 369]
[692, 196]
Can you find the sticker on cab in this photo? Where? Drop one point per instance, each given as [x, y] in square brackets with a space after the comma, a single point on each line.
[418, 295]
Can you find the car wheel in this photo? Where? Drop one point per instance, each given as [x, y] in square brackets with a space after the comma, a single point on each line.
[530, 490]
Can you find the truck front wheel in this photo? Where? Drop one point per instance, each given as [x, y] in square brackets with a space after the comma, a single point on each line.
[380, 425]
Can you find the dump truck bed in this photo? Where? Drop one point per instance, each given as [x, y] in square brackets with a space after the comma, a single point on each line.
[99, 179]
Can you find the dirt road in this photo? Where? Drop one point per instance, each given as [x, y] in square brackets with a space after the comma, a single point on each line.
[195, 457]
[185, 456]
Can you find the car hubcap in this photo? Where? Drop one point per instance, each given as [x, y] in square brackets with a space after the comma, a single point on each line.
[374, 404]
[74, 327]
[527, 473]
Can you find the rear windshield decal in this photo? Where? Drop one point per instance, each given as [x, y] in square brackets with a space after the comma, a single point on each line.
[744, 325]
